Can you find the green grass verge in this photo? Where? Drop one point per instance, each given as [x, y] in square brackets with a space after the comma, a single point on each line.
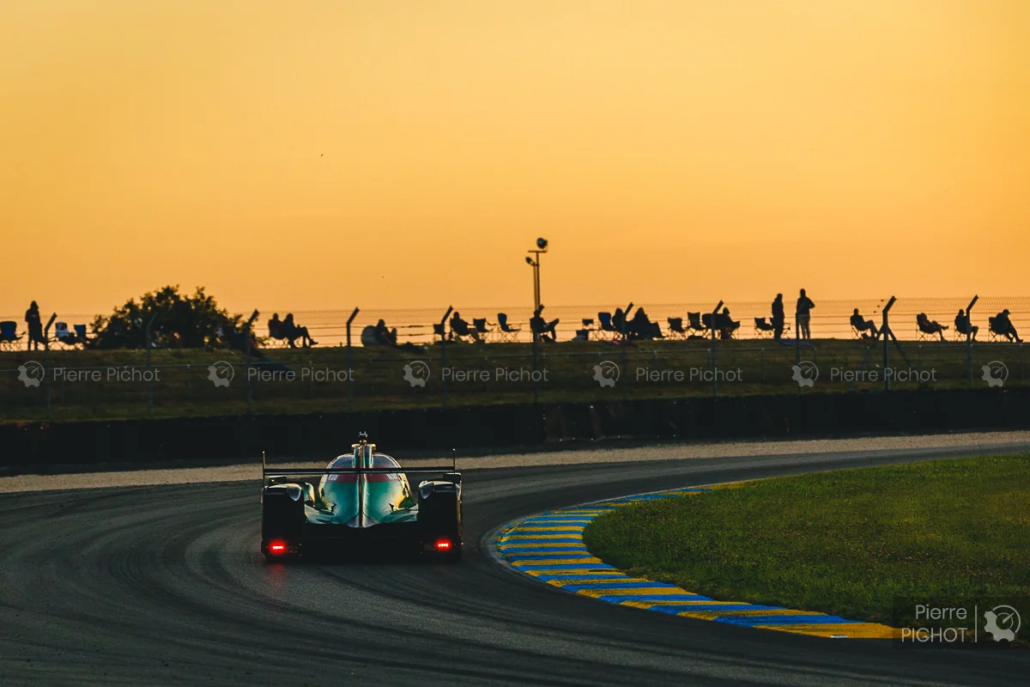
[664, 369]
[847, 542]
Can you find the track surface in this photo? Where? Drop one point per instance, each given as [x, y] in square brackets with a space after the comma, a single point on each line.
[163, 585]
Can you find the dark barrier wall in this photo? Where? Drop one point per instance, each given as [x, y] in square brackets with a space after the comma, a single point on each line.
[35, 447]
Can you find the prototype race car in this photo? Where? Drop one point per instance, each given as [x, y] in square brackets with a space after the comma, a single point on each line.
[363, 503]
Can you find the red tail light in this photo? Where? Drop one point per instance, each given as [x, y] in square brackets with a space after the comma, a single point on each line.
[443, 544]
[277, 547]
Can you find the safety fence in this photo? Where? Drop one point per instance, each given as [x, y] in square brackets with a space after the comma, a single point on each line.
[829, 319]
[89, 384]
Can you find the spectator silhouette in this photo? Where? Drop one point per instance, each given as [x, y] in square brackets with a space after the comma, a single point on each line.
[293, 332]
[275, 327]
[460, 328]
[619, 320]
[778, 317]
[641, 326]
[35, 325]
[964, 327]
[862, 325]
[542, 328]
[804, 315]
[928, 327]
[1003, 325]
[725, 324]
[385, 335]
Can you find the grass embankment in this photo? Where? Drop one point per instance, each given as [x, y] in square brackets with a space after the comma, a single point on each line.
[480, 375]
[848, 542]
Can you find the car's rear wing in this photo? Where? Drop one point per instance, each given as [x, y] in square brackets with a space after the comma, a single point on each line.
[363, 459]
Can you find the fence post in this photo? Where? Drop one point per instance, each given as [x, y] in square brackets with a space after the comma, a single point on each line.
[886, 330]
[443, 354]
[714, 357]
[969, 340]
[625, 357]
[150, 383]
[350, 364]
[762, 359]
[46, 365]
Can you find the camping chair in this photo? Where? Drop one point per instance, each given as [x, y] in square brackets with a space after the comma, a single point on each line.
[277, 336]
[695, 323]
[584, 333]
[64, 335]
[926, 331]
[483, 328]
[440, 331]
[996, 330]
[763, 328]
[9, 334]
[505, 332]
[608, 330]
[80, 334]
[676, 330]
[962, 329]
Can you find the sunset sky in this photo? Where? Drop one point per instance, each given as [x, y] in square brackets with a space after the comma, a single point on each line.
[313, 155]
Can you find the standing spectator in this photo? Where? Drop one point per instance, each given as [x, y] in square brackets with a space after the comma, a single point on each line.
[778, 317]
[804, 314]
[35, 327]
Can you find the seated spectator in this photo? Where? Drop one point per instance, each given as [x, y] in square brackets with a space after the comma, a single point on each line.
[547, 331]
[863, 325]
[619, 320]
[35, 327]
[725, 324]
[293, 332]
[928, 327]
[65, 335]
[276, 329]
[460, 328]
[641, 327]
[384, 335]
[963, 326]
[1003, 325]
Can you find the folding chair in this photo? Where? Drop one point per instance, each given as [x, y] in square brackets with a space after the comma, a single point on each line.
[9, 335]
[483, 328]
[80, 332]
[762, 328]
[609, 332]
[994, 332]
[63, 334]
[676, 330]
[440, 331]
[924, 330]
[695, 324]
[505, 332]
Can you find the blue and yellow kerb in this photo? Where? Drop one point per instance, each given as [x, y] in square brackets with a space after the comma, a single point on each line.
[550, 548]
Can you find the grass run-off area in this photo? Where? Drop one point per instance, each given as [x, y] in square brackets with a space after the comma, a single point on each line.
[848, 542]
[101, 385]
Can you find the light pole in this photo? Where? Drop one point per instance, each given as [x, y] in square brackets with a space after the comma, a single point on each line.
[541, 247]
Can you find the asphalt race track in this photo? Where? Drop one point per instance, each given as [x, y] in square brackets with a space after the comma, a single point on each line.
[164, 585]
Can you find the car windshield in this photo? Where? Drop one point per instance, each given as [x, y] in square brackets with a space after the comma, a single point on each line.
[379, 460]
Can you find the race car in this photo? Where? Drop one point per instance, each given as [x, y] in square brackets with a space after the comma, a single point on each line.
[363, 503]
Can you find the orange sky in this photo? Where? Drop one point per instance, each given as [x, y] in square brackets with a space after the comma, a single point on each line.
[394, 154]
